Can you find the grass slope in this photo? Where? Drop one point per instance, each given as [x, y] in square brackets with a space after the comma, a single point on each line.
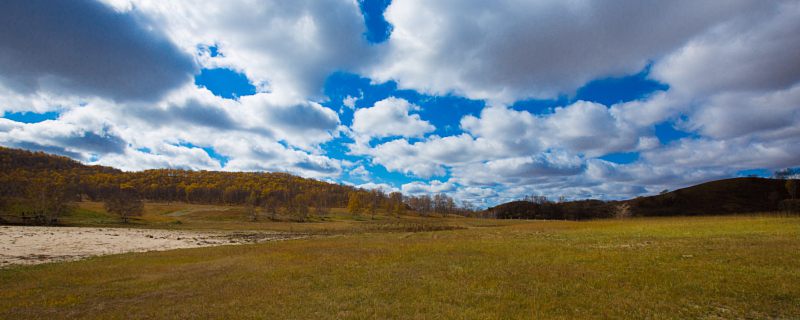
[664, 268]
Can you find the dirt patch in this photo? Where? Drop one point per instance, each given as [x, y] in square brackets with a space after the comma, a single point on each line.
[34, 245]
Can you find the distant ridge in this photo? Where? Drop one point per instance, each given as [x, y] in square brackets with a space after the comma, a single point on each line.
[735, 195]
[726, 196]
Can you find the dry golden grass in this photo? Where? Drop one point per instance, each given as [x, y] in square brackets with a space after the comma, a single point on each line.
[178, 215]
[660, 268]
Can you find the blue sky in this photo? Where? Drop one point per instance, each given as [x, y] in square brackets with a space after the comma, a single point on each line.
[538, 98]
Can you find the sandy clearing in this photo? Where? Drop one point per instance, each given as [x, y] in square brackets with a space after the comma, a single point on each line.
[34, 245]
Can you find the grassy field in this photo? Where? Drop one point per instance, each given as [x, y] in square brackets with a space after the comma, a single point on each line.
[183, 216]
[657, 268]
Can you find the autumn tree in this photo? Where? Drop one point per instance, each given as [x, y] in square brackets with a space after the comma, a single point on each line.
[252, 206]
[49, 197]
[125, 202]
[298, 207]
[791, 187]
[426, 204]
[354, 203]
[271, 201]
[373, 200]
[320, 203]
[395, 202]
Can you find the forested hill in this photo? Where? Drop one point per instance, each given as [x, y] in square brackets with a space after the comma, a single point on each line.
[727, 196]
[26, 174]
[736, 195]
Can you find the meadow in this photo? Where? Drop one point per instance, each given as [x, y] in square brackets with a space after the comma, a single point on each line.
[724, 267]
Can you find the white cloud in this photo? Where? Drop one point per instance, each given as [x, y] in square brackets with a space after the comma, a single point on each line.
[390, 118]
[513, 49]
[360, 172]
[755, 51]
[350, 101]
[378, 186]
[582, 127]
[282, 46]
[399, 155]
[431, 187]
[736, 114]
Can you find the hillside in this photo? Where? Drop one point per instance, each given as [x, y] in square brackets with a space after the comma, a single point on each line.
[736, 195]
[30, 178]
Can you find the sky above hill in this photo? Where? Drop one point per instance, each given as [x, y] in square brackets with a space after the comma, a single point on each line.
[486, 101]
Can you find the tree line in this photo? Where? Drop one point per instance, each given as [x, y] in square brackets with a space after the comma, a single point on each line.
[395, 203]
[47, 184]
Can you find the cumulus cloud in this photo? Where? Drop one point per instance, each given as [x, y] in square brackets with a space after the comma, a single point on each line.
[390, 118]
[378, 186]
[166, 156]
[752, 52]
[502, 142]
[582, 127]
[513, 49]
[512, 170]
[70, 139]
[57, 47]
[735, 114]
[434, 186]
[359, 172]
[282, 46]
[399, 155]
[350, 101]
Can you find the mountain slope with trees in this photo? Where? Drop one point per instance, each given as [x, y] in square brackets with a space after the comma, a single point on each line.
[44, 185]
[727, 196]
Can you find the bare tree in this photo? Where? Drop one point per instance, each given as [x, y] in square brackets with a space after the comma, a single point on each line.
[270, 201]
[321, 206]
[373, 201]
[50, 199]
[299, 206]
[396, 203]
[125, 202]
[622, 211]
[252, 206]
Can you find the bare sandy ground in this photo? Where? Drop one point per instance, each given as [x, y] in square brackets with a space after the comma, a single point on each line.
[34, 245]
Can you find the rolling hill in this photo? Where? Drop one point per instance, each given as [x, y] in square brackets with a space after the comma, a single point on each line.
[26, 175]
[727, 196]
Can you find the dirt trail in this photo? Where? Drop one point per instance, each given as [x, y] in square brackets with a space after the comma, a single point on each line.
[34, 245]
